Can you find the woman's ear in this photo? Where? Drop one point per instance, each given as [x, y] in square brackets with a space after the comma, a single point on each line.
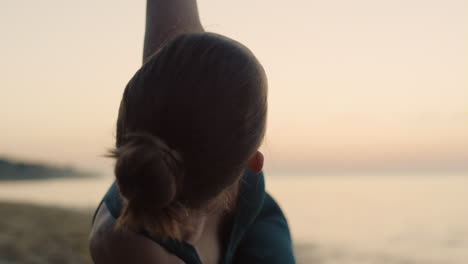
[255, 163]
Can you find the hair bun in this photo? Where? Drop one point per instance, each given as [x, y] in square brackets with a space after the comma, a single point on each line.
[147, 172]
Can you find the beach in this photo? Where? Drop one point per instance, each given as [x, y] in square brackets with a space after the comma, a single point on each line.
[334, 219]
[36, 234]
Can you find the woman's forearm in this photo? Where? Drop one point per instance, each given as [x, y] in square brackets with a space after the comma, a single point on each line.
[166, 19]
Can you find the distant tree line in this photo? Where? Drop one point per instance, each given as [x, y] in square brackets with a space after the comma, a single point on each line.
[17, 170]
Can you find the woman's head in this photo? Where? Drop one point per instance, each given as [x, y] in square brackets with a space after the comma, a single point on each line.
[189, 122]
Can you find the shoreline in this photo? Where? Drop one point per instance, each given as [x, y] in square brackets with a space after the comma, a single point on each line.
[44, 234]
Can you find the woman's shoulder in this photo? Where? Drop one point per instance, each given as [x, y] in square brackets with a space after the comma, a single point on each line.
[122, 246]
[267, 239]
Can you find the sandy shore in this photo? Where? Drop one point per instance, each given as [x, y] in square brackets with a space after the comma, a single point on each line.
[43, 235]
[49, 235]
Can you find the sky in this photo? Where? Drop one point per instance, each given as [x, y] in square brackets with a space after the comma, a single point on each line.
[358, 85]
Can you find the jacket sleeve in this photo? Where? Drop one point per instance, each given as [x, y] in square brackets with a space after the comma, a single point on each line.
[268, 240]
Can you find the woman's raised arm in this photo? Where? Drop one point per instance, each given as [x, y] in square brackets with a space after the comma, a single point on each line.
[166, 19]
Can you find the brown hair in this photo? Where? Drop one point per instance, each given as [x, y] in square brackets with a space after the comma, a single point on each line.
[188, 122]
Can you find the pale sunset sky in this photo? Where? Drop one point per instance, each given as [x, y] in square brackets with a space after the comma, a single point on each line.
[353, 85]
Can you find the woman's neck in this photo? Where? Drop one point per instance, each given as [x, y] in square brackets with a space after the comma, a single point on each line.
[197, 224]
[215, 220]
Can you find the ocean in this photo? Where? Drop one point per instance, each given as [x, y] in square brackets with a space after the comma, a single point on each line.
[378, 219]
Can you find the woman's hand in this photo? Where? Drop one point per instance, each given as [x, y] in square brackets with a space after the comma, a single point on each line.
[166, 19]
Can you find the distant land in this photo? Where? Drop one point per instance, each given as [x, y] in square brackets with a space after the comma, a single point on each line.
[20, 170]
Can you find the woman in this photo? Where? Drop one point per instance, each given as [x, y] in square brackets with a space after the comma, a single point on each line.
[189, 187]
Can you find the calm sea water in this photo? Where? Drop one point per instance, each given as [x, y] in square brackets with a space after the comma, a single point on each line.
[333, 219]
